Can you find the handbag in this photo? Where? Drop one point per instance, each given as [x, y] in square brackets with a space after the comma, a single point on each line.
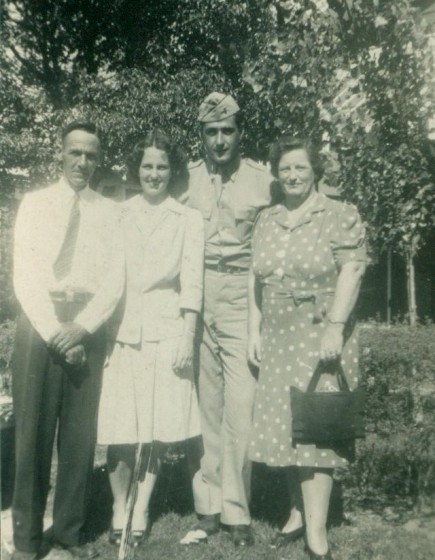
[327, 416]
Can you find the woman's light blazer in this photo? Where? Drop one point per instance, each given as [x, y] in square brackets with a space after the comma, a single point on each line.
[164, 270]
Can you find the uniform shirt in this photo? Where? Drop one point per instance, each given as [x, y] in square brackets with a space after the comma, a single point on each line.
[98, 264]
[229, 208]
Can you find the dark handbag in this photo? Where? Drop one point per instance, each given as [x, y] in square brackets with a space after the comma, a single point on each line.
[330, 416]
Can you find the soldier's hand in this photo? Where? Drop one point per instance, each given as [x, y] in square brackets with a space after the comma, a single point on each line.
[66, 337]
[254, 349]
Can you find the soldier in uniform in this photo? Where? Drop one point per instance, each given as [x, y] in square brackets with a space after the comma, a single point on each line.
[229, 191]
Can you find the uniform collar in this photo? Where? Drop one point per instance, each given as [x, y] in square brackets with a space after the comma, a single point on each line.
[230, 173]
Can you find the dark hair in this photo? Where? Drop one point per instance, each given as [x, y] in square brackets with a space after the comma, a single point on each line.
[289, 143]
[156, 138]
[87, 126]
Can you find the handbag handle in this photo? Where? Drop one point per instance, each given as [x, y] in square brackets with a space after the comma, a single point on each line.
[342, 381]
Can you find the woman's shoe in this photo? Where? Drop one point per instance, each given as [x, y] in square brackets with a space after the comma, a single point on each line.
[314, 556]
[115, 536]
[283, 539]
[139, 537]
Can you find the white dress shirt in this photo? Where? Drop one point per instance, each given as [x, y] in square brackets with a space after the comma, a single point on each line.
[98, 265]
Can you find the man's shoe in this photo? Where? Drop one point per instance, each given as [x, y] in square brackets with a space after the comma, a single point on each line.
[22, 555]
[241, 535]
[206, 526]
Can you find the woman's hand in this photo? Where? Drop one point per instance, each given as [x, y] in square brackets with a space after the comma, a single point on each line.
[183, 356]
[254, 348]
[331, 343]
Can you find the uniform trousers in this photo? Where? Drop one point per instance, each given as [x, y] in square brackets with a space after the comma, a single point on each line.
[50, 395]
[226, 397]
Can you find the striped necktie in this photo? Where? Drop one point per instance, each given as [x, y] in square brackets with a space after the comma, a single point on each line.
[62, 264]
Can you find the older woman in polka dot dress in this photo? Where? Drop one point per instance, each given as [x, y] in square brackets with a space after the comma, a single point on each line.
[308, 260]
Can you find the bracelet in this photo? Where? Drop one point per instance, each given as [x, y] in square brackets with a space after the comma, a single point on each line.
[336, 322]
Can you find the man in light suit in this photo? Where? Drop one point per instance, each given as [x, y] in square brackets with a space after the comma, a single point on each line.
[229, 191]
[68, 278]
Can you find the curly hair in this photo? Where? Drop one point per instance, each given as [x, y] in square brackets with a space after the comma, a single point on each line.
[156, 138]
[289, 143]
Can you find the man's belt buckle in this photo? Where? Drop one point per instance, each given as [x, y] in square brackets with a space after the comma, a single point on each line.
[70, 297]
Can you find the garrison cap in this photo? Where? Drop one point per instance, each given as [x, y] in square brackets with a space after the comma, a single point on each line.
[216, 107]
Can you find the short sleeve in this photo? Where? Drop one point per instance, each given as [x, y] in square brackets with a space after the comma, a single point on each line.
[348, 236]
[257, 230]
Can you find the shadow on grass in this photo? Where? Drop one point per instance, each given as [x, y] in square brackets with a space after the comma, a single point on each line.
[173, 493]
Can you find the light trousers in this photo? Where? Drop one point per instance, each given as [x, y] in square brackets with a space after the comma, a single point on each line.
[226, 397]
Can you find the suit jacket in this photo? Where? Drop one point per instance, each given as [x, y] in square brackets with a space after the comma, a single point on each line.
[164, 266]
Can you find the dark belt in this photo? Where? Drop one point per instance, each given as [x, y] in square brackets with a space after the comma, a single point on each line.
[226, 268]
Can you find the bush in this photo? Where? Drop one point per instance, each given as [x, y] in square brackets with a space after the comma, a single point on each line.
[7, 332]
[396, 462]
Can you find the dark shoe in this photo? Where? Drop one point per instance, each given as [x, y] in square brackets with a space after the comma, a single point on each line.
[283, 539]
[314, 556]
[206, 526]
[115, 536]
[84, 551]
[21, 555]
[241, 535]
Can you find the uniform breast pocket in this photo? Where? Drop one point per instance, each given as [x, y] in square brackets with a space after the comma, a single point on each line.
[245, 217]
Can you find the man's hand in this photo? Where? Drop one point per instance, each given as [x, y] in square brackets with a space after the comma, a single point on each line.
[66, 337]
[76, 356]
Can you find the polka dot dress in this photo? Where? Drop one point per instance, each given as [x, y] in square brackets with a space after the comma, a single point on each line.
[297, 267]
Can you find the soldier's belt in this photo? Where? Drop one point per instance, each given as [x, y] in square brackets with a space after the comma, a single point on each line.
[226, 268]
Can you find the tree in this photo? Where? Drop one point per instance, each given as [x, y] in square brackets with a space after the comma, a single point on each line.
[355, 74]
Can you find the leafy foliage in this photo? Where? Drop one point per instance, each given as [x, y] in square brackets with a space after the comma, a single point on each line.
[356, 75]
[396, 461]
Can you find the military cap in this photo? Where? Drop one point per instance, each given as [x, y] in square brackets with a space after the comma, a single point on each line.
[216, 107]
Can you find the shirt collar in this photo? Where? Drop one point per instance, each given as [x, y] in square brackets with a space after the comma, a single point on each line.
[65, 189]
[168, 204]
[316, 205]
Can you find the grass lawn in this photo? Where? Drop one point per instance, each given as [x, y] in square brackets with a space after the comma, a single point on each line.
[366, 538]
[361, 535]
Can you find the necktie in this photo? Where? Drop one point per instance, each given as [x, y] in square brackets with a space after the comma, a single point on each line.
[218, 186]
[62, 264]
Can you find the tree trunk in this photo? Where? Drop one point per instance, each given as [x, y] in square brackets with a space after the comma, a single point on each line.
[389, 275]
[412, 305]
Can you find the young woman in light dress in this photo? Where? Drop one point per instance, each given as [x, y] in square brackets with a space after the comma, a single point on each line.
[148, 395]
